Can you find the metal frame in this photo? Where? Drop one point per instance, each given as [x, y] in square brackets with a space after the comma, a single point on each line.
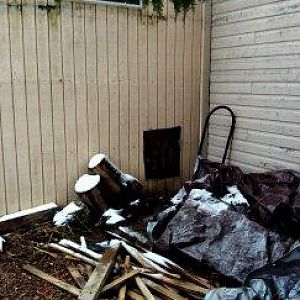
[112, 3]
[230, 134]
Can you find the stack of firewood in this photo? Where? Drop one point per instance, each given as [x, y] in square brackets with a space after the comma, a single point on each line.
[124, 272]
[106, 186]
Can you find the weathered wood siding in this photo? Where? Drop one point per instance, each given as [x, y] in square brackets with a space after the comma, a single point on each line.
[255, 69]
[80, 79]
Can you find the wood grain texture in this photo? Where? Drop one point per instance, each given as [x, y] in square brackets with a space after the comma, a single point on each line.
[78, 79]
[254, 70]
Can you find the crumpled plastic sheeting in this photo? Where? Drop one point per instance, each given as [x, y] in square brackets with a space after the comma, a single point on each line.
[257, 290]
[278, 280]
[273, 196]
[207, 229]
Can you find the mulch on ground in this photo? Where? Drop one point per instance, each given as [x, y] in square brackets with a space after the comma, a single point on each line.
[23, 248]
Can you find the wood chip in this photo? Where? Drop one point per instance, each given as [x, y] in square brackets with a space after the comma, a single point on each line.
[59, 283]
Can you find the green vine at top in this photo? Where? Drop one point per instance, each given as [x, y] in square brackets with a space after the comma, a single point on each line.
[179, 5]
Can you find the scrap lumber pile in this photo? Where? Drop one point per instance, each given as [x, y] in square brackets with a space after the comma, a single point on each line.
[124, 272]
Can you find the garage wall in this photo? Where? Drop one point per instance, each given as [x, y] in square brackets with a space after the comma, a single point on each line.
[80, 79]
[255, 69]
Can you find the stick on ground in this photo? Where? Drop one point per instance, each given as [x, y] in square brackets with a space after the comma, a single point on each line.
[59, 283]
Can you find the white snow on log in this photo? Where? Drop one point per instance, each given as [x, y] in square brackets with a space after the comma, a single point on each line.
[178, 197]
[135, 202]
[86, 183]
[114, 216]
[234, 197]
[95, 160]
[62, 217]
[127, 178]
[114, 220]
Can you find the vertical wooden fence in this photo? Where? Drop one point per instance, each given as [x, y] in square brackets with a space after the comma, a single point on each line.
[79, 79]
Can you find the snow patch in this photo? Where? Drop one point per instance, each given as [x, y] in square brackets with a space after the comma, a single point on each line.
[200, 194]
[62, 217]
[128, 178]
[178, 198]
[234, 197]
[204, 201]
[114, 216]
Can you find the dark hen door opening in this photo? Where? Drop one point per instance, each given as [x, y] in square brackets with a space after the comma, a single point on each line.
[162, 153]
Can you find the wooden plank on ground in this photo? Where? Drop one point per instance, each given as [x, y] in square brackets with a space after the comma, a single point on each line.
[122, 293]
[134, 296]
[28, 217]
[142, 286]
[77, 276]
[97, 280]
[59, 283]
[180, 284]
[165, 292]
[120, 280]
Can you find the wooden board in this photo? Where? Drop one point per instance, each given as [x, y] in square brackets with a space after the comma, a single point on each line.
[97, 280]
[79, 79]
[18, 220]
[59, 283]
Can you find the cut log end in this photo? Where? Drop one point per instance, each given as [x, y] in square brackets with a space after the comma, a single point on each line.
[86, 183]
[96, 160]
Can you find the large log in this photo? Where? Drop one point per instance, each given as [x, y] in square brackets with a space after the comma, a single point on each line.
[26, 218]
[117, 188]
[88, 189]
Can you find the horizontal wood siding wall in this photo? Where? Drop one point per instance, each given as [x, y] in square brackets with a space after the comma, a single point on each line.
[255, 69]
[79, 79]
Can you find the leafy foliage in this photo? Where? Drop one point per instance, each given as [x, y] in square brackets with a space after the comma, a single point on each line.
[179, 5]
